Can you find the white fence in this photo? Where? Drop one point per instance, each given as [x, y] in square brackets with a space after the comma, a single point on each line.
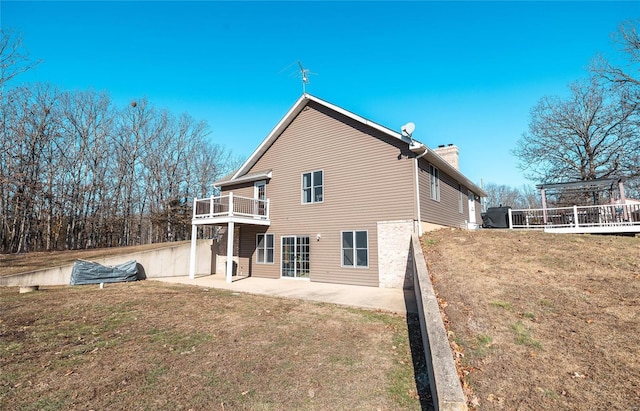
[229, 206]
[611, 215]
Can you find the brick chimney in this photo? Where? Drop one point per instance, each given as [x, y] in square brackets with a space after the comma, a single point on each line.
[449, 153]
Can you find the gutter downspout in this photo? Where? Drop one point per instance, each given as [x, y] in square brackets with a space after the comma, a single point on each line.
[417, 158]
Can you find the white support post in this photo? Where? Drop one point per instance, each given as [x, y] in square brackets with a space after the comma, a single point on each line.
[195, 201]
[194, 242]
[575, 215]
[623, 201]
[230, 204]
[230, 229]
[543, 197]
[211, 206]
[267, 210]
[510, 219]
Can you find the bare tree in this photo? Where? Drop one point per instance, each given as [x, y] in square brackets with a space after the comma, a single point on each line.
[590, 134]
[628, 41]
[14, 58]
[625, 76]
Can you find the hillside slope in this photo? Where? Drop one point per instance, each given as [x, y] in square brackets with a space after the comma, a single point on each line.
[541, 321]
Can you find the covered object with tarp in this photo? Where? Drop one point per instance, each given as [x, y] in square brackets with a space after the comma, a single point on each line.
[87, 272]
[496, 217]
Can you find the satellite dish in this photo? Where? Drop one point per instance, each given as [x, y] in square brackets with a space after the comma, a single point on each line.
[407, 129]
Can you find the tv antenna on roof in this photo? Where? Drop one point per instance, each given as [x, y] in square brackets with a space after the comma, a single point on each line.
[304, 75]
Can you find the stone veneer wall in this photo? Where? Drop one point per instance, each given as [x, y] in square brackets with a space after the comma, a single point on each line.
[394, 240]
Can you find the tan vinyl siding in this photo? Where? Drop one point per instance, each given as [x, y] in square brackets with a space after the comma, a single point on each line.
[367, 178]
[248, 257]
[244, 255]
[444, 212]
[243, 190]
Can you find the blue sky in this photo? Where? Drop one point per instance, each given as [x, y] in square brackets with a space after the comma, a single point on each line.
[465, 73]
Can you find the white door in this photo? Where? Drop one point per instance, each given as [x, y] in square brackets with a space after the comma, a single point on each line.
[472, 208]
[260, 193]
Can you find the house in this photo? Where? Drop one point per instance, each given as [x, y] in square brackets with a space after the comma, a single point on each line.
[330, 196]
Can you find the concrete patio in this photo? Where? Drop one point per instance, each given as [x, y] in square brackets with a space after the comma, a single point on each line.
[385, 299]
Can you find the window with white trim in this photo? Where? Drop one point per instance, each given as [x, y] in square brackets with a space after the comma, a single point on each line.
[434, 176]
[312, 187]
[264, 248]
[355, 249]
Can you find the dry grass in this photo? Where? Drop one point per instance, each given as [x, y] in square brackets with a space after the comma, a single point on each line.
[541, 321]
[537, 322]
[150, 345]
[25, 262]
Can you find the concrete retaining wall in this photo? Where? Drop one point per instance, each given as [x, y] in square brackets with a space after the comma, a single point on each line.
[446, 389]
[161, 262]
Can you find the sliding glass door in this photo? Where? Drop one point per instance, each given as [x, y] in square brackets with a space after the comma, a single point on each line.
[295, 257]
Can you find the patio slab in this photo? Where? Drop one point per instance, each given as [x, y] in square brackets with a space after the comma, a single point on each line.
[386, 299]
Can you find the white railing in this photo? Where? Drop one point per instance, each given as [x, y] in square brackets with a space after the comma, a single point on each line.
[230, 205]
[576, 216]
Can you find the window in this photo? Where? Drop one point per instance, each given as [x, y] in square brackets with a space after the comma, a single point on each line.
[460, 201]
[312, 187]
[264, 248]
[355, 249]
[435, 183]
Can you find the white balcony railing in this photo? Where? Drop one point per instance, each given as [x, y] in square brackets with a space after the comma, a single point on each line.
[610, 215]
[230, 206]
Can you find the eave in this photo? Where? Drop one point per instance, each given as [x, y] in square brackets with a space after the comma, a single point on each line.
[257, 176]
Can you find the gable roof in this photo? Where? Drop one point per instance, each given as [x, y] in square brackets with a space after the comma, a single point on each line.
[421, 149]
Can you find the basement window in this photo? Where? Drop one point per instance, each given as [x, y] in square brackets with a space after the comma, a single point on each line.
[264, 248]
[355, 249]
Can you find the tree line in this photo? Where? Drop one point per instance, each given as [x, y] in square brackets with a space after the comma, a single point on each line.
[523, 197]
[77, 171]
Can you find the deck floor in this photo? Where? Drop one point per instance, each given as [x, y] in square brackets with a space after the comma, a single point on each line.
[603, 229]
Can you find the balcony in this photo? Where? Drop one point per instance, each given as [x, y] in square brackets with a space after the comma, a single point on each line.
[230, 208]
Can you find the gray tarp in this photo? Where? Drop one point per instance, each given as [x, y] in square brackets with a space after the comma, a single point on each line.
[496, 217]
[87, 272]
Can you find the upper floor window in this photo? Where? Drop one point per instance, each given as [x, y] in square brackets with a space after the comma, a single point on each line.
[434, 175]
[312, 187]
